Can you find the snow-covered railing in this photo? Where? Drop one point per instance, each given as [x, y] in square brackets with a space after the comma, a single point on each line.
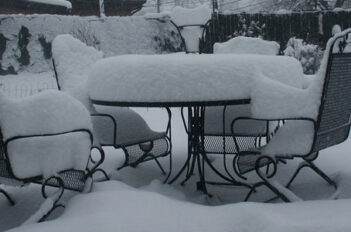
[25, 88]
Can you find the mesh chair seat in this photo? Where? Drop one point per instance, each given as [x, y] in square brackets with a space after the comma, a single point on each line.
[246, 163]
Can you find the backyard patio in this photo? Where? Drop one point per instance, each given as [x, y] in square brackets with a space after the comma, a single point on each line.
[181, 121]
[127, 199]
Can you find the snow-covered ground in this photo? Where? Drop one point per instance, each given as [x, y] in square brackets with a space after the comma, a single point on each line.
[136, 200]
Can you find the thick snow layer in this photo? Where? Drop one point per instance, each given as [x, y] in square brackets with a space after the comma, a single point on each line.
[278, 101]
[73, 60]
[247, 45]
[196, 16]
[64, 3]
[172, 78]
[117, 207]
[47, 155]
[199, 15]
[293, 138]
[47, 112]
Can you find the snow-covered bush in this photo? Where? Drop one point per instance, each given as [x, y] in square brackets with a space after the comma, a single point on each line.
[309, 55]
[249, 29]
[84, 32]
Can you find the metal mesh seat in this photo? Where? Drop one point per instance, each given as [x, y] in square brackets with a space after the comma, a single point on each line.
[247, 163]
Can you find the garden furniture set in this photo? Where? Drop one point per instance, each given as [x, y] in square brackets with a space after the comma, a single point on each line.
[231, 98]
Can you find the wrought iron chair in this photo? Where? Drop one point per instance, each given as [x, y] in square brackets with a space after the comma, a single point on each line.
[191, 34]
[119, 127]
[217, 126]
[304, 136]
[47, 147]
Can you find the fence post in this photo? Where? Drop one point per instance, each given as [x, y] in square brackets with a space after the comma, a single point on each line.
[158, 5]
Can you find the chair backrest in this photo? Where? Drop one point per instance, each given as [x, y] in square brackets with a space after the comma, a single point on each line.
[247, 45]
[72, 60]
[333, 124]
[191, 24]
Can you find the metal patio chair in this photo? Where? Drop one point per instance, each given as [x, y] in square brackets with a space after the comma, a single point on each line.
[217, 125]
[119, 127]
[329, 128]
[43, 147]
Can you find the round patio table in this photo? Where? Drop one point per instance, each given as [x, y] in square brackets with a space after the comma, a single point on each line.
[191, 81]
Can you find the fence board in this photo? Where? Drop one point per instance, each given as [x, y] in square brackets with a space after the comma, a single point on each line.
[279, 27]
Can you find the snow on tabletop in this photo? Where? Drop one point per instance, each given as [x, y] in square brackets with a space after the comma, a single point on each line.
[248, 45]
[114, 206]
[199, 15]
[64, 3]
[173, 78]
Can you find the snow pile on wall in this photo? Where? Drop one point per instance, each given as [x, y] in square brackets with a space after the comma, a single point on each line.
[28, 39]
[64, 3]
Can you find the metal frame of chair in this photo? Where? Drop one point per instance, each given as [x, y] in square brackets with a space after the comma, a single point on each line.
[71, 179]
[138, 151]
[331, 127]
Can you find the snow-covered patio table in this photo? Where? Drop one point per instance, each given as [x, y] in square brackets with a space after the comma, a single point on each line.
[193, 81]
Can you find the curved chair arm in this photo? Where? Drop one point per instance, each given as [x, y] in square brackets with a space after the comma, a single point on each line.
[113, 120]
[269, 120]
[48, 134]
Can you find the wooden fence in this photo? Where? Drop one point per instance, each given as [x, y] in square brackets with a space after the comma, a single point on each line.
[313, 27]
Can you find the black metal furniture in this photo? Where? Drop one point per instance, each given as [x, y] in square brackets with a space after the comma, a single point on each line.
[194, 82]
[194, 127]
[118, 127]
[330, 128]
[25, 145]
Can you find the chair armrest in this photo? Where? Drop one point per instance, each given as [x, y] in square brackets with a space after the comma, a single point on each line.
[49, 134]
[274, 100]
[279, 136]
[113, 120]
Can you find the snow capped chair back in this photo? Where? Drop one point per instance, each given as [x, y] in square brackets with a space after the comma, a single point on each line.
[47, 139]
[72, 60]
[247, 45]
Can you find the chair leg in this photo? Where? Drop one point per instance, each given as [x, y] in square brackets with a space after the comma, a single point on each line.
[159, 165]
[274, 187]
[310, 164]
[170, 168]
[9, 198]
